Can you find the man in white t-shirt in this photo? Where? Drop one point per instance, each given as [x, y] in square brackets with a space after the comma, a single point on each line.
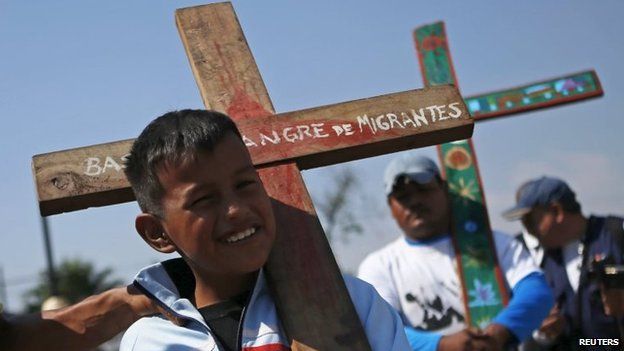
[417, 273]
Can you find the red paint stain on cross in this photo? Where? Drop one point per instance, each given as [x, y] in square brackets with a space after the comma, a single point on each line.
[242, 106]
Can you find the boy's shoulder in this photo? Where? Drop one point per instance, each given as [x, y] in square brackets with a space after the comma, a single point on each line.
[166, 283]
[357, 286]
[381, 322]
[157, 333]
[363, 295]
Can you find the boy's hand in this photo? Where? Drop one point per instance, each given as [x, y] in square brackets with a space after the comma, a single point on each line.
[144, 306]
[554, 324]
[469, 339]
[612, 301]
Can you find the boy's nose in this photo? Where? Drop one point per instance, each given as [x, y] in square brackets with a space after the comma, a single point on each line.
[235, 207]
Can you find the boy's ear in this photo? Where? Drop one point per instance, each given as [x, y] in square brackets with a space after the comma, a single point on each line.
[151, 230]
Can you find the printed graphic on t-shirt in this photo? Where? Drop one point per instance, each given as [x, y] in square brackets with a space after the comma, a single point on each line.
[421, 281]
[429, 288]
[436, 316]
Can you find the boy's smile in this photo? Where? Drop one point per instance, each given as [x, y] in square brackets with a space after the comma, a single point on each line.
[237, 237]
[216, 211]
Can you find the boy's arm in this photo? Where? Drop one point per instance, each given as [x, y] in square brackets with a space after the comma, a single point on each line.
[382, 324]
[78, 327]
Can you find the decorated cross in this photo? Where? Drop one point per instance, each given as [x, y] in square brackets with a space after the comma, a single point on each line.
[312, 300]
[483, 288]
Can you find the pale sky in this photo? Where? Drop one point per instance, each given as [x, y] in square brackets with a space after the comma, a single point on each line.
[77, 73]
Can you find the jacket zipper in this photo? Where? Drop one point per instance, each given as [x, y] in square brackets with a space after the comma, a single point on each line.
[239, 333]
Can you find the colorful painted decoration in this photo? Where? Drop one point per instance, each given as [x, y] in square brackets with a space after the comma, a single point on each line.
[483, 289]
[537, 95]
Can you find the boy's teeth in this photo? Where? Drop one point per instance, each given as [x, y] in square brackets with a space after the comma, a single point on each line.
[242, 235]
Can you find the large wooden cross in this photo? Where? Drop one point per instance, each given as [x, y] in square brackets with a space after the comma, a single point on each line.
[312, 301]
[483, 288]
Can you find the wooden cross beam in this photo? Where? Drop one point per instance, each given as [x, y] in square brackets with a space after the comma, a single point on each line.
[314, 306]
[93, 176]
[535, 96]
[472, 235]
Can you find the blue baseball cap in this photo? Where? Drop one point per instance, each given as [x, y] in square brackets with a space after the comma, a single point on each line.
[539, 192]
[420, 169]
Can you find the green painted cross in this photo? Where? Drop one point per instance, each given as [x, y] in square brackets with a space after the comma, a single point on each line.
[483, 288]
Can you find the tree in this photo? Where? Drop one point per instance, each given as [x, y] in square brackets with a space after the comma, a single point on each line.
[77, 279]
[336, 207]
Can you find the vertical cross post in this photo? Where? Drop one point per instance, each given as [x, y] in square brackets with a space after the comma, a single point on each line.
[229, 81]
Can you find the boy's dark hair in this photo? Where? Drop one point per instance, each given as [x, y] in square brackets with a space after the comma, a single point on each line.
[171, 139]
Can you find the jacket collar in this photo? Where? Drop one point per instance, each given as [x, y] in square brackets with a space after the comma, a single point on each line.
[155, 282]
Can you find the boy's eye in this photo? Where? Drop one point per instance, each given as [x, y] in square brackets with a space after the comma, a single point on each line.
[245, 183]
[204, 200]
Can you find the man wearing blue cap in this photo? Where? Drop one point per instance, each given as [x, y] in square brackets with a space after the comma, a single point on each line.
[549, 211]
[417, 273]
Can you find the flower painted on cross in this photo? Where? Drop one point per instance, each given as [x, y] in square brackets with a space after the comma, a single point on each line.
[482, 295]
[467, 190]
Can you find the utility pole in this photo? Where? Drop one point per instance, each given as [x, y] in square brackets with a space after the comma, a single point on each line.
[49, 258]
[3, 289]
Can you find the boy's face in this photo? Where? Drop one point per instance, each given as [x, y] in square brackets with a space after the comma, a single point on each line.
[421, 210]
[216, 211]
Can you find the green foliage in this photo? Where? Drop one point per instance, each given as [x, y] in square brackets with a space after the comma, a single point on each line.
[76, 280]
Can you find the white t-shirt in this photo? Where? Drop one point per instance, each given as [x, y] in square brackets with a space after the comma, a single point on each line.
[419, 278]
[573, 260]
[535, 249]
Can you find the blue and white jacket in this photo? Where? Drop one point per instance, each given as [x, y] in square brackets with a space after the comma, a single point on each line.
[261, 329]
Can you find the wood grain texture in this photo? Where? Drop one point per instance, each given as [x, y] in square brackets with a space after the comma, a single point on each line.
[80, 178]
[76, 179]
[222, 63]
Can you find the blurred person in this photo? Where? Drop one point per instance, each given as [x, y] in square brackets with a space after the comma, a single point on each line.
[549, 210]
[417, 273]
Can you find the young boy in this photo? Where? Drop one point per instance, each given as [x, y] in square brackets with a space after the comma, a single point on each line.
[201, 197]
